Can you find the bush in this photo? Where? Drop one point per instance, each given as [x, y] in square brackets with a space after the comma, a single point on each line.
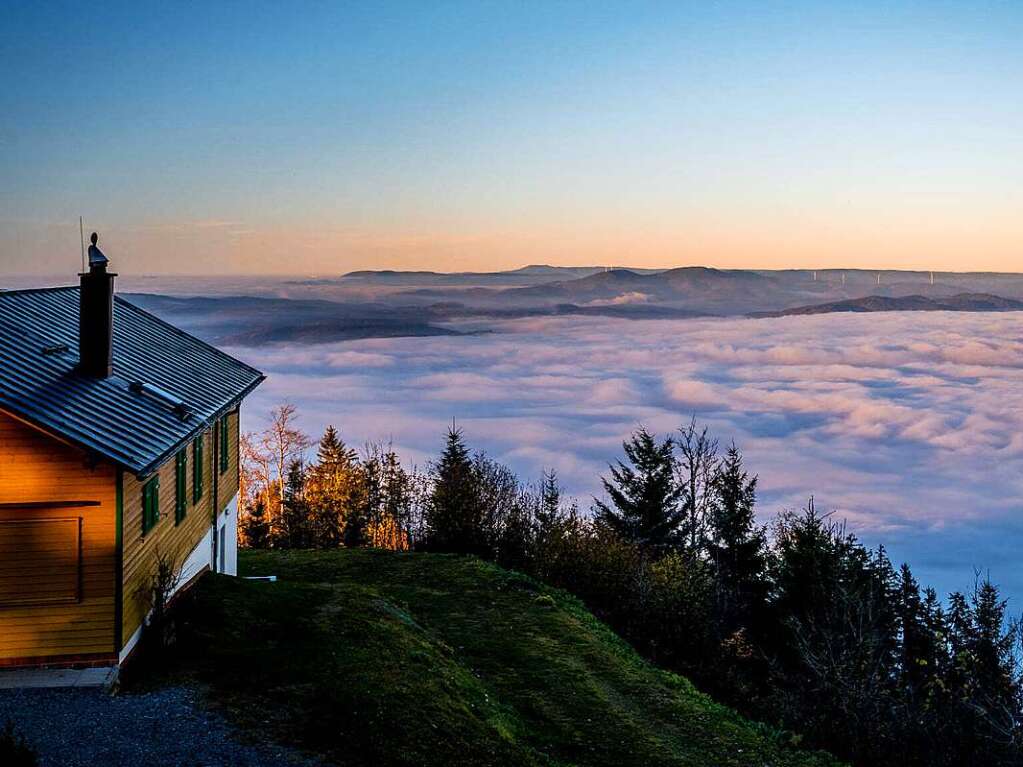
[14, 751]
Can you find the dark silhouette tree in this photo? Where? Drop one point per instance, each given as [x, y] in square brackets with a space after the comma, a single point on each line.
[644, 506]
[255, 527]
[454, 512]
[736, 547]
[297, 526]
[696, 469]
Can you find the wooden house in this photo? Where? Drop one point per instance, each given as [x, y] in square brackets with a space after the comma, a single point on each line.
[118, 449]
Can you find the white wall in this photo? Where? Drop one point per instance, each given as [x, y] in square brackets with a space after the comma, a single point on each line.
[202, 557]
[227, 521]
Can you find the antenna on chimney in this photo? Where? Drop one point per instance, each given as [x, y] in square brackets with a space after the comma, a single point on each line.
[81, 234]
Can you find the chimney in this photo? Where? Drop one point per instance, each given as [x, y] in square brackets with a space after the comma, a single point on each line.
[96, 316]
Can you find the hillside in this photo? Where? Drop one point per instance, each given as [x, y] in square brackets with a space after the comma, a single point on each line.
[254, 321]
[380, 658]
[961, 302]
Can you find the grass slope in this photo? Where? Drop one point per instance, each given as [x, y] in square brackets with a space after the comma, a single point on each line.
[378, 658]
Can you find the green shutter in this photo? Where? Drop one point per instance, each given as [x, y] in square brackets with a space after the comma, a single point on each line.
[180, 486]
[197, 464]
[150, 504]
[224, 431]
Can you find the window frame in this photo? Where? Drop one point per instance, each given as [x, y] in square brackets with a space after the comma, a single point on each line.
[197, 467]
[180, 486]
[150, 504]
[225, 457]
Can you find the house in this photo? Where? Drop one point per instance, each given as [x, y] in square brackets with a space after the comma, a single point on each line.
[118, 450]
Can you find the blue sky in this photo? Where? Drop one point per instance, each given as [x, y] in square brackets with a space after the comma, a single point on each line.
[321, 137]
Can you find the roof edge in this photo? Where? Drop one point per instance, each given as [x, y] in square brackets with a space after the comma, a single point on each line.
[157, 462]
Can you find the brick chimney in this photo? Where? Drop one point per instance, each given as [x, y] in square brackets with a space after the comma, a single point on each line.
[96, 316]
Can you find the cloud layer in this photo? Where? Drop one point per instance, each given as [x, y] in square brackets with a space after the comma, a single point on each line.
[908, 425]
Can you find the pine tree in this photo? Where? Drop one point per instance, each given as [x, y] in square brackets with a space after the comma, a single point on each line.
[737, 548]
[644, 505]
[918, 647]
[454, 514]
[395, 504]
[335, 490]
[364, 506]
[993, 646]
[254, 530]
[548, 510]
[332, 453]
[295, 510]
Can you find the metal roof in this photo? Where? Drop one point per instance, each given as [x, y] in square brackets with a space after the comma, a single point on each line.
[113, 417]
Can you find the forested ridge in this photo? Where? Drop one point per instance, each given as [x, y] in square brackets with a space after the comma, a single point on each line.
[795, 623]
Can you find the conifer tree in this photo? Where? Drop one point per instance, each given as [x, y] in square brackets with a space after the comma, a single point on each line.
[918, 646]
[737, 548]
[454, 514]
[548, 508]
[644, 506]
[335, 490]
[254, 532]
[294, 509]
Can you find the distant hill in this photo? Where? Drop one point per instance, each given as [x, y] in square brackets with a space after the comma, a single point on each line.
[385, 303]
[380, 658]
[253, 321]
[525, 276]
[696, 288]
[960, 302]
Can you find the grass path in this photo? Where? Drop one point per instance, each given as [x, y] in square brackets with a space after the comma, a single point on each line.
[379, 658]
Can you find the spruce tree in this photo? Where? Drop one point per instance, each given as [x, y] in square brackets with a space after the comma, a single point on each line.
[332, 453]
[335, 491]
[453, 514]
[737, 548]
[295, 510]
[644, 506]
[548, 510]
[918, 648]
[255, 528]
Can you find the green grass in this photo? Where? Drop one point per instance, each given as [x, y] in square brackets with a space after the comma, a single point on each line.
[376, 658]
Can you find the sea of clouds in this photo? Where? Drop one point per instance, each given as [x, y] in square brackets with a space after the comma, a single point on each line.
[907, 425]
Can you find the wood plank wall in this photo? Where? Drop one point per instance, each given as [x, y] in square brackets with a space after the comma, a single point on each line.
[37, 469]
[167, 539]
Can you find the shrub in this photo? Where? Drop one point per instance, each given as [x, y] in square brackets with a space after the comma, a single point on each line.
[14, 751]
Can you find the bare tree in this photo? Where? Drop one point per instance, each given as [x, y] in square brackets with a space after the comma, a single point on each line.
[696, 469]
[265, 458]
[255, 476]
[284, 442]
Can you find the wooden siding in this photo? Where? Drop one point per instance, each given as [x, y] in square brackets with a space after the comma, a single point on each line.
[167, 539]
[57, 482]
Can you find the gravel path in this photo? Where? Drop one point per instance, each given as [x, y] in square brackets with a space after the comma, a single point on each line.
[87, 727]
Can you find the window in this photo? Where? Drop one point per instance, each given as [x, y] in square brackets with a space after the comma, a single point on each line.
[42, 561]
[223, 443]
[180, 486]
[197, 463]
[150, 504]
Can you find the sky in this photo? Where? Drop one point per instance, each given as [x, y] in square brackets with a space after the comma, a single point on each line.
[317, 138]
[907, 426]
